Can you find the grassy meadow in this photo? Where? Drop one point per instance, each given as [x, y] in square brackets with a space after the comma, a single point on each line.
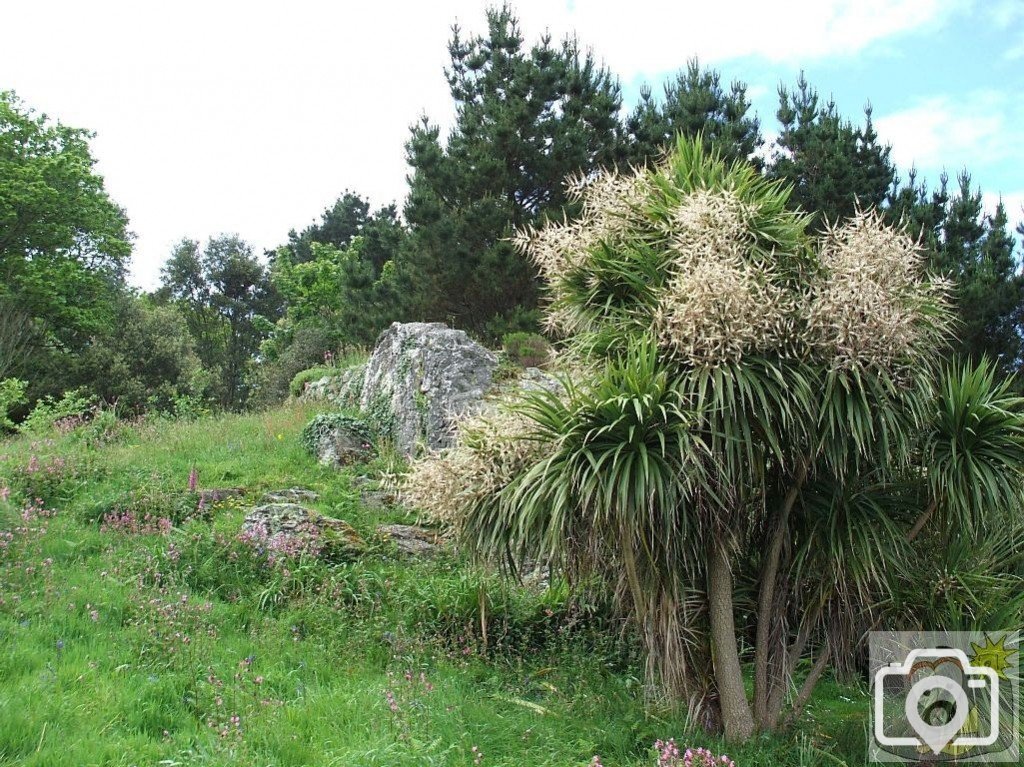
[138, 630]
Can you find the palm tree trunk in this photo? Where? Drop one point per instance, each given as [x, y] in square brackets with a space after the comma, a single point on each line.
[766, 607]
[807, 688]
[922, 521]
[737, 718]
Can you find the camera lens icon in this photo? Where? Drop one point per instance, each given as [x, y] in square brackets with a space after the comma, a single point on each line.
[937, 705]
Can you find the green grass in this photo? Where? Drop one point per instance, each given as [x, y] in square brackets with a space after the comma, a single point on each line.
[138, 648]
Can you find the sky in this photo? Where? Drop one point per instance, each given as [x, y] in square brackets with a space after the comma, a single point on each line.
[253, 117]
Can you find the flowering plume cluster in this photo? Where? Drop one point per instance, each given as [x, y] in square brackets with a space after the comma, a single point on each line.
[719, 268]
[708, 223]
[719, 301]
[492, 449]
[718, 310]
[865, 306]
[611, 204]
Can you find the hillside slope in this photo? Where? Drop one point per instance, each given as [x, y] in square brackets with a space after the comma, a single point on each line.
[136, 629]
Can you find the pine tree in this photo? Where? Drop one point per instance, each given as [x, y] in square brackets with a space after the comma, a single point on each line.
[525, 119]
[976, 250]
[339, 225]
[833, 165]
[694, 103]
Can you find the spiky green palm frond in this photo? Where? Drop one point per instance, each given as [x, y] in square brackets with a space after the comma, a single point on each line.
[624, 458]
[777, 233]
[868, 420]
[623, 494]
[851, 531]
[757, 415]
[960, 584]
[974, 449]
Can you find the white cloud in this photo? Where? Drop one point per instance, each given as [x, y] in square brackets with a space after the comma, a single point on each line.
[654, 37]
[253, 116]
[1013, 203]
[983, 128]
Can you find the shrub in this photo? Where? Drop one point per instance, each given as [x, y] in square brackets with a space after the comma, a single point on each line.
[288, 352]
[48, 412]
[518, 320]
[529, 350]
[53, 479]
[143, 360]
[12, 394]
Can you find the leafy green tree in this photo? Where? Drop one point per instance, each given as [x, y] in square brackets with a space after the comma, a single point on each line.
[525, 118]
[18, 337]
[287, 352]
[64, 244]
[694, 103]
[340, 290]
[144, 360]
[229, 303]
[834, 166]
[12, 395]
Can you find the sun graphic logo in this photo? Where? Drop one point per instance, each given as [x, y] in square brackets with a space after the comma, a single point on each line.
[945, 697]
[994, 655]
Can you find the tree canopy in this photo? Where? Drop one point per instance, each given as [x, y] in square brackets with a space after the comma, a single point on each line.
[64, 244]
[834, 166]
[525, 119]
[694, 104]
[229, 304]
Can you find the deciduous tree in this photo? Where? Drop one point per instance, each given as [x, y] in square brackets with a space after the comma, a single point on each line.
[226, 296]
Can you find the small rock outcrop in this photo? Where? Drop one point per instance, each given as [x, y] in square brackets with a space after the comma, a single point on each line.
[337, 439]
[341, 389]
[412, 540]
[377, 499]
[533, 379]
[420, 379]
[290, 529]
[290, 495]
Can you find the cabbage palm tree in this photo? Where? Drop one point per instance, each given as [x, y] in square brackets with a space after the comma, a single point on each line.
[745, 414]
